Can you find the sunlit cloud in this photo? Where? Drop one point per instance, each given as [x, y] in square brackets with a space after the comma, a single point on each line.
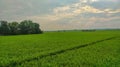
[76, 15]
[88, 1]
[72, 10]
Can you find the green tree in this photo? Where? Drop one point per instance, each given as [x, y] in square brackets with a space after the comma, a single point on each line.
[25, 27]
[37, 28]
[28, 27]
[14, 28]
[4, 28]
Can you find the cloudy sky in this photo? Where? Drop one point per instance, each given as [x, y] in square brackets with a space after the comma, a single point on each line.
[63, 14]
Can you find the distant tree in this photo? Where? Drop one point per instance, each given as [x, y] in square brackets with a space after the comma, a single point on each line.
[14, 28]
[37, 28]
[25, 27]
[28, 27]
[4, 28]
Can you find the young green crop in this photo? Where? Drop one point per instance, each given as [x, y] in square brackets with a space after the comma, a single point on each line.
[15, 49]
[104, 54]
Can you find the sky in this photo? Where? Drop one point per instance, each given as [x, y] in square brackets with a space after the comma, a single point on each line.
[63, 14]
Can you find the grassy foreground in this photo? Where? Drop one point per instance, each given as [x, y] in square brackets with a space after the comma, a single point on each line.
[54, 49]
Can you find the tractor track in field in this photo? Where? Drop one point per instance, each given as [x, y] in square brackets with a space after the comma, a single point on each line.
[14, 64]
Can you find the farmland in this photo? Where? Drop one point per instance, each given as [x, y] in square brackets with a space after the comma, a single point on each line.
[61, 49]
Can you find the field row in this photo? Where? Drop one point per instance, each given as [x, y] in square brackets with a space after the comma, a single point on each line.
[15, 49]
[58, 52]
[103, 54]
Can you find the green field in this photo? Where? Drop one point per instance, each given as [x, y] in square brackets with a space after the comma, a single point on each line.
[61, 49]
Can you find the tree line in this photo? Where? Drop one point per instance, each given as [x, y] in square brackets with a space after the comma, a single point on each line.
[15, 28]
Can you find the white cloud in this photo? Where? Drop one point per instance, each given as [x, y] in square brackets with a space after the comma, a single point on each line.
[87, 9]
[94, 0]
[112, 11]
[76, 9]
[88, 1]
[53, 20]
[69, 16]
[61, 9]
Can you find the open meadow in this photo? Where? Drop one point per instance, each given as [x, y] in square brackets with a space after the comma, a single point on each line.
[62, 49]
